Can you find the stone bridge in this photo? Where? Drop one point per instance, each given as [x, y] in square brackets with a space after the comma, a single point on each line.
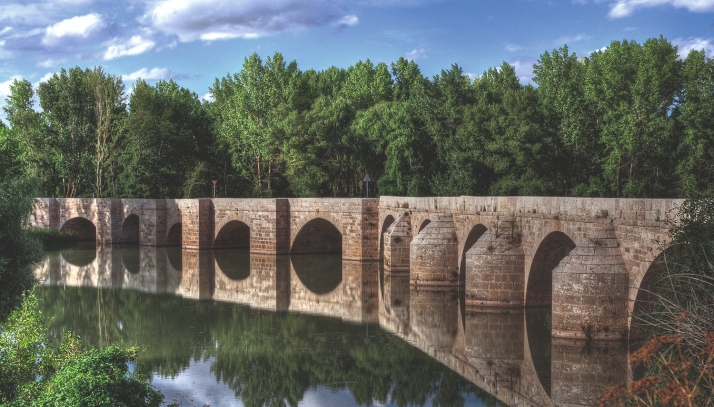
[586, 257]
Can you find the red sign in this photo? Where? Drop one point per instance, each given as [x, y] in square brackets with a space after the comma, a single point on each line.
[215, 181]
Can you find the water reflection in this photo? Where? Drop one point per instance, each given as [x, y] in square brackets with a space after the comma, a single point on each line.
[383, 343]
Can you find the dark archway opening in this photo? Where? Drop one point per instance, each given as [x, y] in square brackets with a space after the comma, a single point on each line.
[647, 296]
[234, 234]
[388, 221]
[424, 224]
[319, 273]
[318, 236]
[550, 253]
[175, 235]
[234, 263]
[84, 229]
[474, 235]
[130, 230]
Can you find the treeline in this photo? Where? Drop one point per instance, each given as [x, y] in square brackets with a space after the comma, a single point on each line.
[632, 120]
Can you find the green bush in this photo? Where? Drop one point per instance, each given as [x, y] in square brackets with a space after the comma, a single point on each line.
[53, 238]
[36, 372]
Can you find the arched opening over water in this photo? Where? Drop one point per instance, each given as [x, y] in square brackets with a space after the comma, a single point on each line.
[83, 228]
[234, 234]
[424, 224]
[474, 235]
[553, 249]
[318, 236]
[647, 294]
[319, 273]
[130, 229]
[175, 235]
[388, 221]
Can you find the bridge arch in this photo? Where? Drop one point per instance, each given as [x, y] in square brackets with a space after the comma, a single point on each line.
[474, 235]
[174, 236]
[644, 290]
[551, 250]
[130, 229]
[84, 228]
[423, 224]
[318, 235]
[388, 221]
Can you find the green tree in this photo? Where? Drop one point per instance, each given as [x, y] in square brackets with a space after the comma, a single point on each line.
[560, 77]
[69, 130]
[166, 142]
[19, 251]
[696, 165]
[254, 106]
[632, 88]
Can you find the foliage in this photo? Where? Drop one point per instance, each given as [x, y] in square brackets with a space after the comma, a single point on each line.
[678, 378]
[629, 120]
[36, 372]
[53, 238]
[18, 249]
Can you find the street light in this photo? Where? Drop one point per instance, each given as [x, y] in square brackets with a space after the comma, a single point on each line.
[367, 179]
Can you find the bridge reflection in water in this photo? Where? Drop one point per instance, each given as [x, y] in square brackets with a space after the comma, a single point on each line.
[507, 352]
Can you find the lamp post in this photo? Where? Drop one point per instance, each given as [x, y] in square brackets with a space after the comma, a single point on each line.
[366, 180]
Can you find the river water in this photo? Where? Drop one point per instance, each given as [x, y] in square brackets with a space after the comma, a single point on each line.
[233, 328]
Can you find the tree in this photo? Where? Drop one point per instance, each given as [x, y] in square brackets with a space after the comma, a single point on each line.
[108, 95]
[253, 105]
[167, 138]
[696, 166]
[632, 88]
[69, 129]
[560, 77]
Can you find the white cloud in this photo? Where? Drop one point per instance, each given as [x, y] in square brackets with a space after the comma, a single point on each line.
[208, 97]
[5, 30]
[348, 21]
[571, 39]
[685, 46]
[4, 54]
[513, 47]
[77, 27]
[5, 86]
[210, 20]
[415, 54]
[623, 8]
[153, 74]
[135, 46]
[524, 69]
[49, 63]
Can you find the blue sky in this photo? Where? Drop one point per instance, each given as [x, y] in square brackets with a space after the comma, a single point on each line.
[195, 41]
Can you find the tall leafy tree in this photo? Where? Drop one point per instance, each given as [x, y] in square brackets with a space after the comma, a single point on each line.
[165, 149]
[70, 129]
[696, 165]
[632, 88]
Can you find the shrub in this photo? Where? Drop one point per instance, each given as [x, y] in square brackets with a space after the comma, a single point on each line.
[35, 372]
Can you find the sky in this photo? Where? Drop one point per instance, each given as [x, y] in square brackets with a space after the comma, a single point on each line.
[196, 41]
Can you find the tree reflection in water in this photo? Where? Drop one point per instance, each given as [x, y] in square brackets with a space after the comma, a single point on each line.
[267, 358]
